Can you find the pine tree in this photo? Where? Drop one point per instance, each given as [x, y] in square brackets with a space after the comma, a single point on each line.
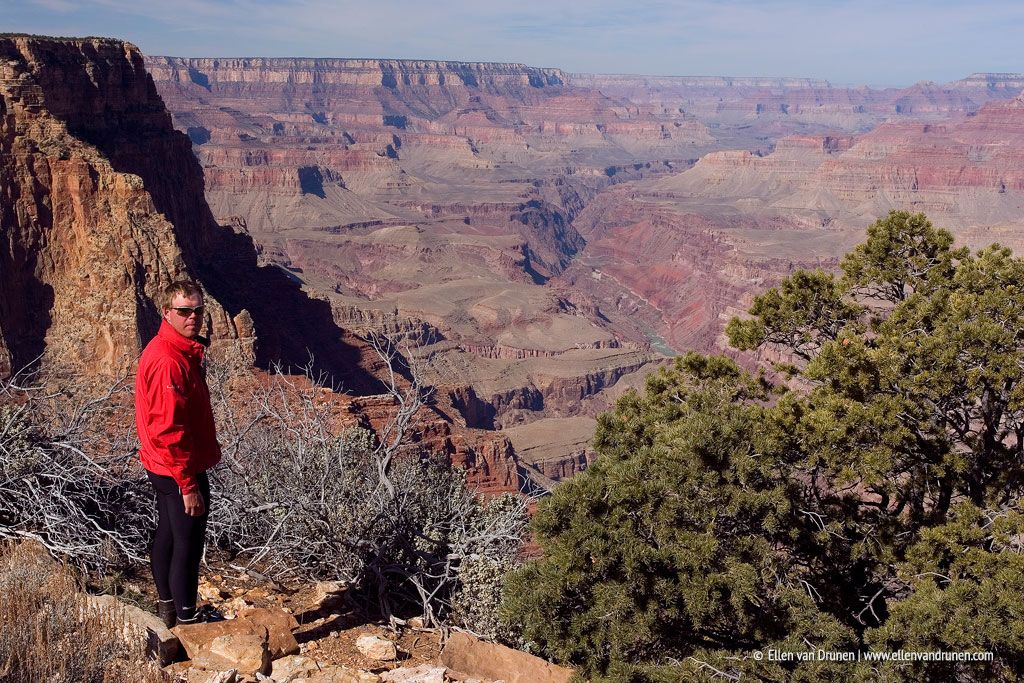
[866, 499]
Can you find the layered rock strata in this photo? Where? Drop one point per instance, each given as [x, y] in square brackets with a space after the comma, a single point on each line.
[443, 191]
[784, 106]
[681, 253]
[964, 172]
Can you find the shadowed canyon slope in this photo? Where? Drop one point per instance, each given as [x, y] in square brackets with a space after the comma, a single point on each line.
[103, 205]
[544, 236]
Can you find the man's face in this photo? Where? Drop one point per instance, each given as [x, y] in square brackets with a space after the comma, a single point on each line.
[186, 322]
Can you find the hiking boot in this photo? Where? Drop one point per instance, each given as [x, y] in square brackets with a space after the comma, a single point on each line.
[165, 610]
[203, 615]
[209, 613]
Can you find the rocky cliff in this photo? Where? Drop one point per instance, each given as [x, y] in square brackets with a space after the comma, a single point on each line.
[964, 172]
[477, 199]
[287, 77]
[792, 96]
[86, 248]
[406, 182]
[680, 253]
[104, 205]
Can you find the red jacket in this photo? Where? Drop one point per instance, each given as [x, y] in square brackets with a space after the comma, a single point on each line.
[172, 409]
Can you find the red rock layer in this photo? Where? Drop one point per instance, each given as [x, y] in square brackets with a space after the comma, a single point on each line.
[965, 173]
[85, 249]
[979, 151]
[380, 138]
[683, 252]
[490, 462]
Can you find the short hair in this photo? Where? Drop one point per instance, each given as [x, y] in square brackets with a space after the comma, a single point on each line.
[182, 287]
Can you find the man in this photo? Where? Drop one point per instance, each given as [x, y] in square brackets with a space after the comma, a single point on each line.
[178, 443]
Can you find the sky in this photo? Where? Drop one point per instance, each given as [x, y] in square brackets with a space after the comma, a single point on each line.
[867, 42]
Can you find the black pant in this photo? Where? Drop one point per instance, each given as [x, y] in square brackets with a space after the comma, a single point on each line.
[178, 543]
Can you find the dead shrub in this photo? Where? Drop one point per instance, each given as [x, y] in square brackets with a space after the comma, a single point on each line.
[300, 494]
[69, 475]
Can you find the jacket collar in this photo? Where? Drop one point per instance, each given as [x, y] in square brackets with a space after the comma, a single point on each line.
[190, 347]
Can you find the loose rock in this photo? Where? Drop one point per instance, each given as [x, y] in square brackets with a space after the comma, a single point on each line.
[424, 673]
[377, 648]
[342, 674]
[245, 652]
[293, 667]
[208, 591]
[229, 676]
[329, 595]
[240, 644]
[142, 626]
[279, 625]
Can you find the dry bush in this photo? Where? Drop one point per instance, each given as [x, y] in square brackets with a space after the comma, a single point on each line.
[69, 473]
[301, 495]
[47, 632]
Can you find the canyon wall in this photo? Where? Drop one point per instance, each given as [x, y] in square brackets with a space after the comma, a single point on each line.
[782, 106]
[695, 245]
[444, 192]
[87, 249]
[104, 206]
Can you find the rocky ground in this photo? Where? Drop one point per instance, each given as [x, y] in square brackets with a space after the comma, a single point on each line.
[58, 627]
[312, 632]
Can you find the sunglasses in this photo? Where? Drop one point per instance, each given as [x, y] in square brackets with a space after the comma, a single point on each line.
[186, 311]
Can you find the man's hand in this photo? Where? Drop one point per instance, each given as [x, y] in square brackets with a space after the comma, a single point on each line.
[194, 506]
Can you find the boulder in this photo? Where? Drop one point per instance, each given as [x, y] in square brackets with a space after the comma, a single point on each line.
[279, 625]
[329, 595]
[473, 657]
[158, 641]
[245, 652]
[235, 644]
[342, 674]
[184, 672]
[325, 588]
[375, 647]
